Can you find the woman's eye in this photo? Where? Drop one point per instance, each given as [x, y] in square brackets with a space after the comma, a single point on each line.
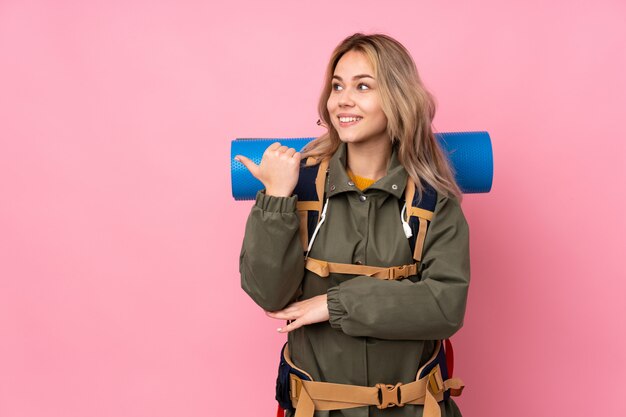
[335, 85]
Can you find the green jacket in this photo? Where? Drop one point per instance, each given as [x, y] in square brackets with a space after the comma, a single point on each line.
[379, 331]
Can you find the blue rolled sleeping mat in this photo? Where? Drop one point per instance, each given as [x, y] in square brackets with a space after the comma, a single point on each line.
[469, 152]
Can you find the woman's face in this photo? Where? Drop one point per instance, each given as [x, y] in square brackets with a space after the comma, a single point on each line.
[355, 94]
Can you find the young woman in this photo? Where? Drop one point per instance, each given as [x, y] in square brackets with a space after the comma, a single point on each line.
[357, 329]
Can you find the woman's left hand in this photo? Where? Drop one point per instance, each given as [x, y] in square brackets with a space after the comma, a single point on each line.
[312, 310]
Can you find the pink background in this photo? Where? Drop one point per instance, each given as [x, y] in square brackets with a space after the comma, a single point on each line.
[119, 237]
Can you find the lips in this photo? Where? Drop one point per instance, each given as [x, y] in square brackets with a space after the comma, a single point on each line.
[348, 123]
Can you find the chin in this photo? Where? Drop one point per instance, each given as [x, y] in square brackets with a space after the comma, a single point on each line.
[350, 140]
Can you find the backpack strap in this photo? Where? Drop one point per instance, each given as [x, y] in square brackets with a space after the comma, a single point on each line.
[310, 192]
[419, 214]
[324, 269]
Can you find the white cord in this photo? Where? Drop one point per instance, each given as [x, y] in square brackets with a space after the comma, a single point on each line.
[322, 218]
[405, 225]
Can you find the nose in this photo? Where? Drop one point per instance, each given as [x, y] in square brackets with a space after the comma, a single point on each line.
[345, 98]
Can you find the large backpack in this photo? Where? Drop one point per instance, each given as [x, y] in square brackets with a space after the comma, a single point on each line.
[310, 208]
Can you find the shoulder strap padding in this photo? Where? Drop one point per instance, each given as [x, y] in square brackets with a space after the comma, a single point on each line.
[419, 212]
[310, 192]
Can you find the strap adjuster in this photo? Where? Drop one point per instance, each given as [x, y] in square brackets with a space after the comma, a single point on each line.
[389, 396]
[435, 381]
[295, 386]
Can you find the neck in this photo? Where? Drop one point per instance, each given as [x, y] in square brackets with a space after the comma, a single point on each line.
[369, 160]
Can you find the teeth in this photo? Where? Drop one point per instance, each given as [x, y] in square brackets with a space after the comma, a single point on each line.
[349, 119]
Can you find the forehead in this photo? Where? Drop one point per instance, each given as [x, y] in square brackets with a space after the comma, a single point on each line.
[353, 62]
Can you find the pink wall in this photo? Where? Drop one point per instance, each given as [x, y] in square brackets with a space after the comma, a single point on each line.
[119, 238]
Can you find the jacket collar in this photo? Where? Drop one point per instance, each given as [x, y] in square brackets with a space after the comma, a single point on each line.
[393, 183]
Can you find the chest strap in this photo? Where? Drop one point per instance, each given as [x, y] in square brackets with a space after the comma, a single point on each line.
[323, 269]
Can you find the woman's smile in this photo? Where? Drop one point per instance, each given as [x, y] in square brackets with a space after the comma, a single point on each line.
[348, 121]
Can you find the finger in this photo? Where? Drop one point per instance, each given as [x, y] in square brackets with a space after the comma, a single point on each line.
[290, 327]
[249, 164]
[290, 152]
[283, 315]
[273, 146]
[283, 149]
[287, 311]
[290, 307]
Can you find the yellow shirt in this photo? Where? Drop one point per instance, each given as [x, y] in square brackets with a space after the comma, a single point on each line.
[361, 182]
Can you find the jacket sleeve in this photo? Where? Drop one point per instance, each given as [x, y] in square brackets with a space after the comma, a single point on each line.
[271, 262]
[432, 308]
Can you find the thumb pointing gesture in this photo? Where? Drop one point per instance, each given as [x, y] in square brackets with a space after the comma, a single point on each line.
[249, 164]
[278, 170]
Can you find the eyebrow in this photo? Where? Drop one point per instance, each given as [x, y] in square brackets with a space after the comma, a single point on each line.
[355, 77]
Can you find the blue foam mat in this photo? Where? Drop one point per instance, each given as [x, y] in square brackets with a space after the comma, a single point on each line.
[470, 154]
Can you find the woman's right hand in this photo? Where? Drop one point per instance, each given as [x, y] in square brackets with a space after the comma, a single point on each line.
[278, 171]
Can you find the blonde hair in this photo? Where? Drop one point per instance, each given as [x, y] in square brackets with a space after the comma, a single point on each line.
[409, 108]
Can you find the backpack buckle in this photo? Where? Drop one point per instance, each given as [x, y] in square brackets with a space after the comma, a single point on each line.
[389, 396]
[398, 272]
